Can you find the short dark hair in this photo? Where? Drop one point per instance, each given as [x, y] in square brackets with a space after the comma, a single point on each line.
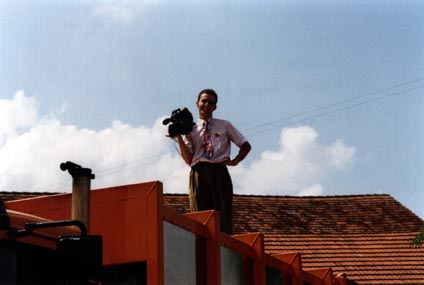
[209, 92]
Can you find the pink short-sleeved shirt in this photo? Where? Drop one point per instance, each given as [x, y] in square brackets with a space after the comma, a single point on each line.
[222, 133]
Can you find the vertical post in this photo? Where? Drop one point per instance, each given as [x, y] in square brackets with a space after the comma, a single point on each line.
[81, 186]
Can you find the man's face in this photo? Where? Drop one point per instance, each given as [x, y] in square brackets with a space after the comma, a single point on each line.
[206, 105]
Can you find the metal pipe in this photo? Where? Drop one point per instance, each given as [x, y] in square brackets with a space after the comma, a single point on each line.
[81, 186]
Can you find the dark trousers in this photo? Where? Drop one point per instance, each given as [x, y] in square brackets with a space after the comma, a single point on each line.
[211, 188]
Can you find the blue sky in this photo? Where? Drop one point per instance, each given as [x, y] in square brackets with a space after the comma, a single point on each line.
[329, 93]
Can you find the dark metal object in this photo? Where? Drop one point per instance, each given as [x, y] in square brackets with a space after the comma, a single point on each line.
[79, 257]
[76, 170]
[30, 227]
[75, 258]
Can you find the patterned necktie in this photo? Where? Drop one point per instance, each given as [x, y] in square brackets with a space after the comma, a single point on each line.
[207, 142]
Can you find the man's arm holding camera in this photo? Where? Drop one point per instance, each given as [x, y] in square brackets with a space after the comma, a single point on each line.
[185, 152]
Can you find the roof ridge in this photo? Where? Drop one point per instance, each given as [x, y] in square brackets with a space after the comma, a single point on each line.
[293, 196]
[30, 192]
[322, 196]
[235, 194]
[344, 235]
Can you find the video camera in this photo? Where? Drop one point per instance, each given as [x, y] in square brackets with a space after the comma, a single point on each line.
[181, 122]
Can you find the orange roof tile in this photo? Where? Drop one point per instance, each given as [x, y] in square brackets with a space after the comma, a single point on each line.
[368, 237]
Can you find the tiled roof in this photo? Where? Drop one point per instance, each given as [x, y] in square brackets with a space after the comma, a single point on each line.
[315, 215]
[10, 196]
[366, 259]
[368, 237]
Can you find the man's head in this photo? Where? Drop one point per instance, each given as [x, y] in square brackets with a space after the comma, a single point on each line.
[210, 92]
[206, 103]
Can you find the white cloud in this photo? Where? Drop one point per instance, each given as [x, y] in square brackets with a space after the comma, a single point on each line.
[122, 11]
[297, 168]
[119, 11]
[33, 146]
[119, 154]
[313, 190]
[339, 154]
[17, 114]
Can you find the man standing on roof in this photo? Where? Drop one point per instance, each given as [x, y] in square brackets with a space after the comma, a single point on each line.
[207, 150]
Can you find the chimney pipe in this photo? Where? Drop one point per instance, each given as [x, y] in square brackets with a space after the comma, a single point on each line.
[81, 186]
